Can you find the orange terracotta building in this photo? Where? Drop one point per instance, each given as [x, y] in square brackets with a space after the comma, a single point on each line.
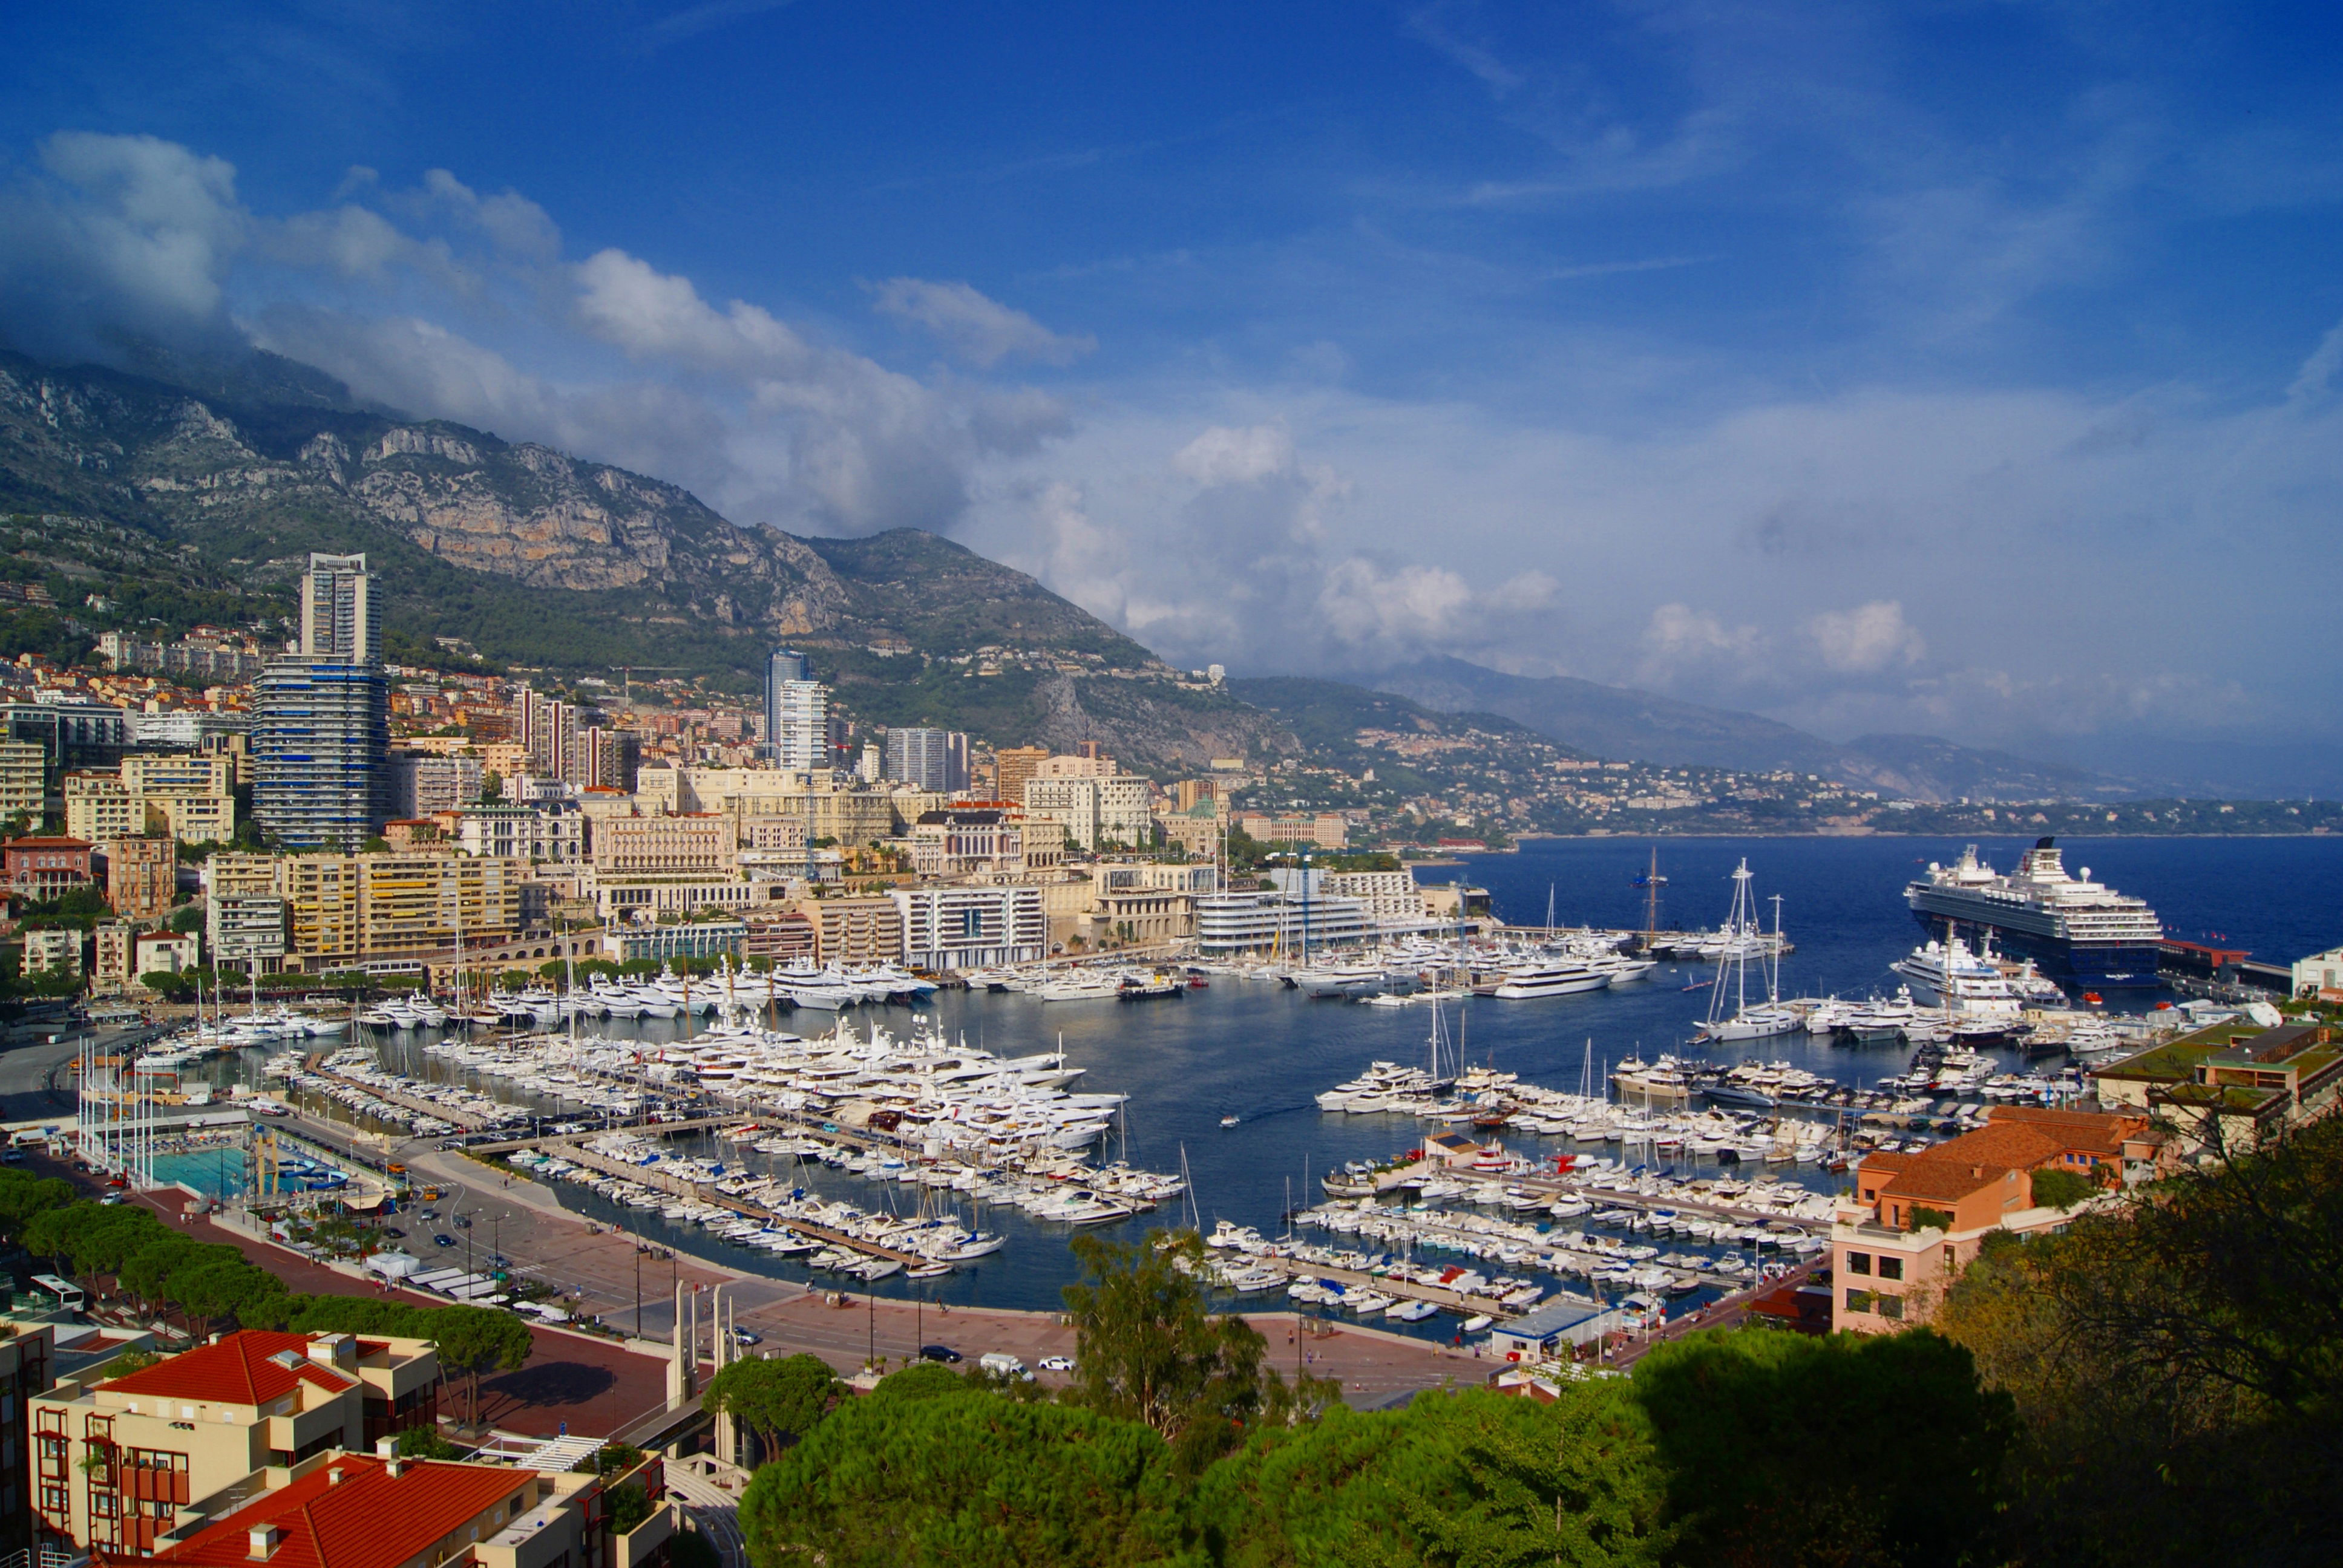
[1915, 1221]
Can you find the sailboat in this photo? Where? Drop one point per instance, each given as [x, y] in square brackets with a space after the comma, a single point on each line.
[1745, 937]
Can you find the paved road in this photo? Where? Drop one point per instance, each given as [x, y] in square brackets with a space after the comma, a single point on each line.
[36, 1082]
[598, 1271]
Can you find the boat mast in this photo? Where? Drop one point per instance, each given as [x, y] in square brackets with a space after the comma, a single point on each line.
[1774, 979]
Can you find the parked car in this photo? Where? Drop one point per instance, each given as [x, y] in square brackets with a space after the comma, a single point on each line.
[943, 1353]
[1056, 1363]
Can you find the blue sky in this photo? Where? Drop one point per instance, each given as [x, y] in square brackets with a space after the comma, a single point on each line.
[1965, 369]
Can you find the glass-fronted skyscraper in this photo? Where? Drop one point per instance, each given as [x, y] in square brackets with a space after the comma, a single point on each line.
[321, 718]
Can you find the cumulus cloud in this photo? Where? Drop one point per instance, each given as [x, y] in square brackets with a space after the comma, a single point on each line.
[630, 305]
[1224, 456]
[448, 302]
[974, 328]
[1867, 638]
[117, 233]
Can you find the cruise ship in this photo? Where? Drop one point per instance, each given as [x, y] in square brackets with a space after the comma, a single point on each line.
[2078, 931]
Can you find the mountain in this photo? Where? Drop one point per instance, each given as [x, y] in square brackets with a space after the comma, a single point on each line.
[541, 559]
[1622, 722]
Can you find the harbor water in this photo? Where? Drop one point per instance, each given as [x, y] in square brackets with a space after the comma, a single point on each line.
[1260, 1052]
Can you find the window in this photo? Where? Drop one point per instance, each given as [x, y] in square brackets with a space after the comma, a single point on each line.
[1891, 1268]
[1858, 1262]
[1892, 1308]
[1858, 1300]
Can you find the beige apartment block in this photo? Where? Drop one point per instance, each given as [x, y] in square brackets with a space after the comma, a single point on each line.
[24, 778]
[345, 909]
[114, 1461]
[190, 797]
[700, 844]
[142, 876]
[110, 960]
[865, 928]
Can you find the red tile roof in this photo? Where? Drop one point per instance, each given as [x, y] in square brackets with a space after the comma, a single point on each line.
[370, 1519]
[242, 1368]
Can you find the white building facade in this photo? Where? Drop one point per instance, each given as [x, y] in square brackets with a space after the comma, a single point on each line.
[972, 928]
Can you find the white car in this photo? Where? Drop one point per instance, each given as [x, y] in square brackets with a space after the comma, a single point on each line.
[1056, 1363]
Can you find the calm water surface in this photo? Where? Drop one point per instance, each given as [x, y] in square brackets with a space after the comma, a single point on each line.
[1263, 1053]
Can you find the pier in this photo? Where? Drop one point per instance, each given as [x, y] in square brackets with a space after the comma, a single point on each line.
[675, 1186]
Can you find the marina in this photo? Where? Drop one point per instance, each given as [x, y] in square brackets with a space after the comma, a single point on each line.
[1221, 1091]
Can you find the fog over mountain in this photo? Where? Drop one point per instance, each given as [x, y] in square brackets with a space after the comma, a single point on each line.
[1970, 375]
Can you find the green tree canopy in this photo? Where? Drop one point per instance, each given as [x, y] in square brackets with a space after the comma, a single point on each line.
[779, 1401]
[1787, 1449]
[1473, 1478]
[979, 1481]
[475, 1341]
[1149, 1351]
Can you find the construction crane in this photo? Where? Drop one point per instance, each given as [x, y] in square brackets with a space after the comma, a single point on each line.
[627, 670]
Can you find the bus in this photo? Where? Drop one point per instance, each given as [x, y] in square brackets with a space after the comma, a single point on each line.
[67, 1295]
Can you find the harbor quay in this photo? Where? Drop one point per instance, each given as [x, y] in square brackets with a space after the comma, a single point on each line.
[599, 1270]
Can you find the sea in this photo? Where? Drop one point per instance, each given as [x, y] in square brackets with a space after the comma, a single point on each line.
[1260, 1052]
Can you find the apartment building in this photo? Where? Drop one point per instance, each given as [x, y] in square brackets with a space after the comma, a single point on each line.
[1011, 766]
[27, 1355]
[552, 834]
[246, 932]
[960, 840]
[57, 948]
[856, 929]
[2233, 1085]
[964, 927]
[702, 844]
[1091, 810]
[142, 877]
[42, 868]
[342, 912]
[423, 782]
[23, 780]
[116, 1460]
[111, 968]
[1915, 1221]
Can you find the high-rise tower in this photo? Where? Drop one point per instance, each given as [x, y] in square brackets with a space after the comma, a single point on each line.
[786, 667]
[321, 719]
[338, 620]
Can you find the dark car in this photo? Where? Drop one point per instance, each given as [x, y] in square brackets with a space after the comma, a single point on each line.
[393, 1232]
[463, 1221]
[943, 1353]
[443, 1240]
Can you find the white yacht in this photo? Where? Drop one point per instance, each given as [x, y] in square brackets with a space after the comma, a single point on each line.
[1550, 977]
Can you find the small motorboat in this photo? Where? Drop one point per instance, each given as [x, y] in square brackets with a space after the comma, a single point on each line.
[1229, 1121]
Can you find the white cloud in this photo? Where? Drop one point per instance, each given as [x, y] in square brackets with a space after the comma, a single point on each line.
[975, 328]
[2317, 371]
[128, 233]
[633, 306]
[1221, 455]
[1868, 638]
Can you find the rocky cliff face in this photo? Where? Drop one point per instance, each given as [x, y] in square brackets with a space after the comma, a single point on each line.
[215, 472]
